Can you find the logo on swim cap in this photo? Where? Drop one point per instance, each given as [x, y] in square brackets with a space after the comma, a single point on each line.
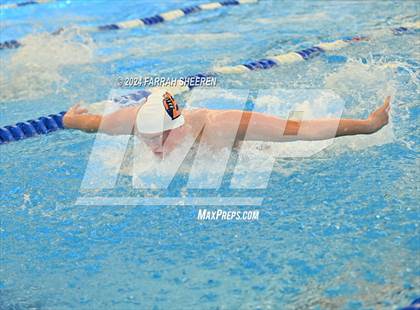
[171, 106]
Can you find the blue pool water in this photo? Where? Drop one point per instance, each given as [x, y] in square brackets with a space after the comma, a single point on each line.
[338, 230]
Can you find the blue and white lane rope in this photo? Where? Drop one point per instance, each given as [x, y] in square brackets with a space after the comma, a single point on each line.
[54, 122]
[171, 15]
[20, 4]
[147, 21]
[305, 54]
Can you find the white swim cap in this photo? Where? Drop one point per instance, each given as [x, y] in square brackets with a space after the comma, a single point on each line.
[159, 113]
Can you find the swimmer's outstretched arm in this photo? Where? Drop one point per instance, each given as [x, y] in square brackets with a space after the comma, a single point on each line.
[322, 129]
[263, 127]
[120, 122]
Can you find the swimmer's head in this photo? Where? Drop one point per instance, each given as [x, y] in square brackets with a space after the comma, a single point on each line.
[159, 122]
[160, 113]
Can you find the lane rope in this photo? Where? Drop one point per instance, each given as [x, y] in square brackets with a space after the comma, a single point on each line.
[54, 122]
[171, 15]
[20, 4]
[31, 128]
[305, 54]
[146, 21]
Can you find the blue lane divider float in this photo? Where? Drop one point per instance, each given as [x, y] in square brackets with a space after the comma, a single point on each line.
[9, 44]
[415, 305]
[54, 122]
[147, 21]
[20, 4]
[30, 128]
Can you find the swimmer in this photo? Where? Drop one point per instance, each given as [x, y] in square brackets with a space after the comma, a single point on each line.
[162, 125]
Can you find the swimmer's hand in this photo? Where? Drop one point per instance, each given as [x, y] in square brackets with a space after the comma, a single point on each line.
[78, 118]
[71, 116]
[76, 109]
[380, 117]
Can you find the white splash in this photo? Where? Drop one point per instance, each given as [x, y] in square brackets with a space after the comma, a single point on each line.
[34, 69]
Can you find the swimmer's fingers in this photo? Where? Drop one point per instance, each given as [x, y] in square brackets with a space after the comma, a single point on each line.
[80, 110]
[387, 100]
[73, 108]
[387, 103]
[76, 109]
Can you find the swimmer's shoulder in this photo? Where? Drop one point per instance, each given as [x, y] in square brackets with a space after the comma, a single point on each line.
[196, 113]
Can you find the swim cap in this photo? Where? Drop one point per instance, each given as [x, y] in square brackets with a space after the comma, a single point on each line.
[159, 113]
